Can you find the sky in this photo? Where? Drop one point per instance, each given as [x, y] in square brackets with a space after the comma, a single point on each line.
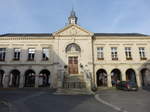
[98, 16]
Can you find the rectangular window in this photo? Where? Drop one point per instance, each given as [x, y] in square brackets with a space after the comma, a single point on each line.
[17, 53]
[142, 53]
[128, 53]
[45, 54]
[114, 54]
[100, 53]
[2, 54]
[31, 54]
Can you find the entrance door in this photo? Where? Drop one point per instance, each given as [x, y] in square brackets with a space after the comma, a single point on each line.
[73, 65]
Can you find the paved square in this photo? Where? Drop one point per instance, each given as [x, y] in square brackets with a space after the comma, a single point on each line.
[131, 101]
[44, 100]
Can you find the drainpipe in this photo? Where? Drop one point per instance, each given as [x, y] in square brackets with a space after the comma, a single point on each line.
[93, 57]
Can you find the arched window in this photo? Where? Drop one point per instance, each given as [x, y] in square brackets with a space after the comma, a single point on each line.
[73, 48]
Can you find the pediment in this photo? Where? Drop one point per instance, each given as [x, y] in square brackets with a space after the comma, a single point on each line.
[73, 30]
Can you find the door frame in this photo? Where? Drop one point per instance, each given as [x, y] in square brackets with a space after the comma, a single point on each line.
[76, 65]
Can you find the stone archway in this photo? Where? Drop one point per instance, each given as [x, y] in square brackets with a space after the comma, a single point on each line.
[73, 50]
[73, 47]
[29, 78]
[115, 76]
[145, 77]
[131, 75]
[14, 78]
[101, 76]
[1, 78]
[44, 78]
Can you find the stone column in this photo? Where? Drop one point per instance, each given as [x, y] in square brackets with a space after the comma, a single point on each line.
[59, 78]
[49, 81]
[21, 81]
[5, 80]
[147, 78]
[10, 80]
[138, 80]
[36, 81]
[123, 77]
[109, 84]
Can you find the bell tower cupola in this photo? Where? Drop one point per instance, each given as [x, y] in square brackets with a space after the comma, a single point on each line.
[72, 18]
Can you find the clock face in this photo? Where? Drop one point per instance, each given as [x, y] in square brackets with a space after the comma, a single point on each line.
[72, 20]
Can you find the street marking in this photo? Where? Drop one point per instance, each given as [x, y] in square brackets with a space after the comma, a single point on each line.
[109, 104]
[10, 106]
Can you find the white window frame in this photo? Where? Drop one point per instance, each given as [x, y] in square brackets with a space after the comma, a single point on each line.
[45, 54]
[142, 52]
[31, 54]
[17, 53]
[100, 53]
[128, 53]
[2, 54]
[114, 53]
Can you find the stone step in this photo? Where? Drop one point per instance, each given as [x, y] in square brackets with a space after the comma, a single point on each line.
[74, 81]
[68, 84]
[75, 78]
[62, 91]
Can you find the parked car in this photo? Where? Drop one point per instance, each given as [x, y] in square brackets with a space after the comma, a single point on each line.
[127, 85]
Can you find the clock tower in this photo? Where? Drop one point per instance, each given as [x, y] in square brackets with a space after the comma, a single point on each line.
[72, 18]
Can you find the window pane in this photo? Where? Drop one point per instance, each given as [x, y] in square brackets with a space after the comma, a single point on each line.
[2, 54]
[142, 52]
[31, 53]
[17, 53]
[45, 53]
[100, 54]
[31, 50]
[128, 52]
[114, 52]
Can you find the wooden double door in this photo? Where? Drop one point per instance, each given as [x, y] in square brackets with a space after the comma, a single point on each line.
[73, 65]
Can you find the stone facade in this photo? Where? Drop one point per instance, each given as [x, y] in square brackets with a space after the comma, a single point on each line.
[73, 51]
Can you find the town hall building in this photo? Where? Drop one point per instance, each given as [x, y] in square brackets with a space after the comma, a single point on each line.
[73, 57]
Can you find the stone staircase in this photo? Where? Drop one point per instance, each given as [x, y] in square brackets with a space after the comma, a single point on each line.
[74, 85]
[73, 91]
[74, 81]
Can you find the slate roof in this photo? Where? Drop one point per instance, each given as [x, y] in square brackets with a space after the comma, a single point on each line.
[50, 34]
[119, 34]
[26, 35]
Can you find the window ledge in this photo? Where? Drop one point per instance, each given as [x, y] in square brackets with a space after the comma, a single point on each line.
[128, 58]
[30, 60]
[143, 58]
[100, 58]
[114, 59]
[16, 59]
[45, 60]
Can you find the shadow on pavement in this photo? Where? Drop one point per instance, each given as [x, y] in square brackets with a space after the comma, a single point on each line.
[147, 88]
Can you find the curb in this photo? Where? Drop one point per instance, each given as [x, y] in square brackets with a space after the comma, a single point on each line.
[73, 92]
[5, 103]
